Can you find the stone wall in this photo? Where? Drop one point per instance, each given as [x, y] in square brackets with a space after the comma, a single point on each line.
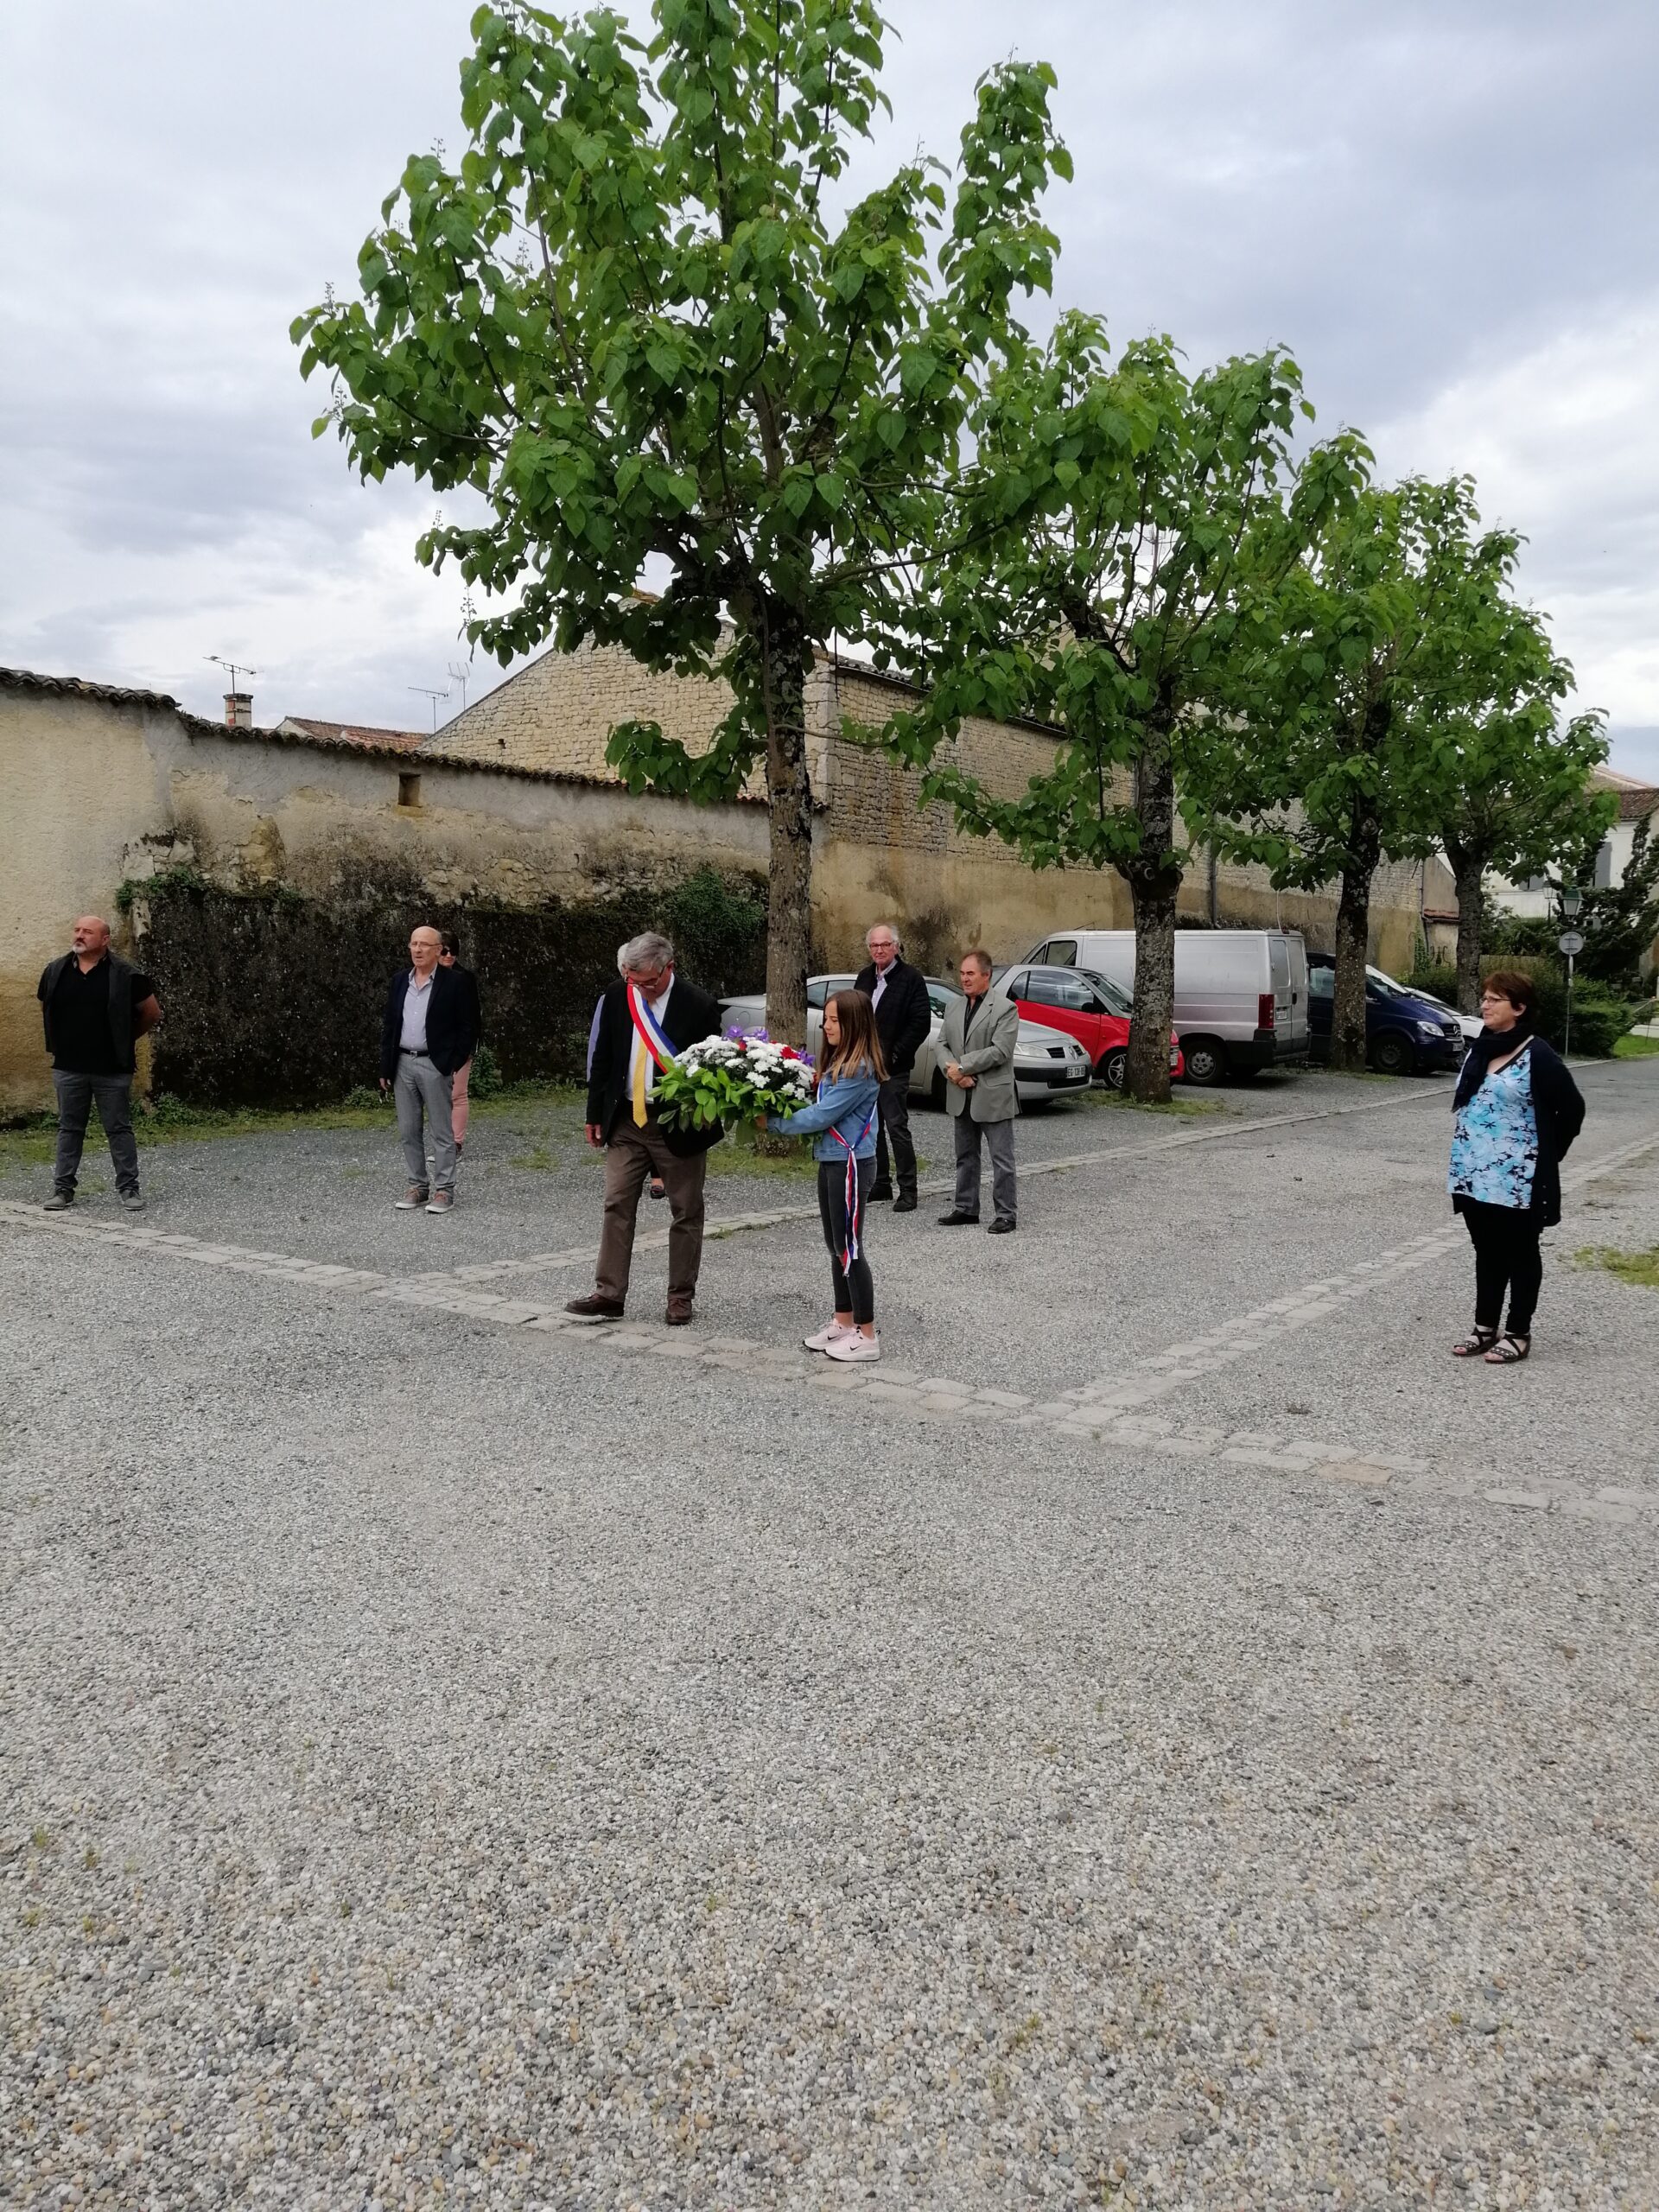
[513, 810]
[106, 787]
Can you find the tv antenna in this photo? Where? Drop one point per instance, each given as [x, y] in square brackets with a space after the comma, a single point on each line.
[433, 697]
[458, 675]
[233, 669]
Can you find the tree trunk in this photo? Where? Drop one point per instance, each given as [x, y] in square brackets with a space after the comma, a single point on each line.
[1469, 873]
[1353, 940]
[789, 887]
[1154, 879]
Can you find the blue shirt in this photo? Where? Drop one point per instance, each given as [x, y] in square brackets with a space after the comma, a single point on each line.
[1494, 1139]
[844, 1102]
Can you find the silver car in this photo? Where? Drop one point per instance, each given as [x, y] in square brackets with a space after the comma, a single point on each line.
[1047, 1064]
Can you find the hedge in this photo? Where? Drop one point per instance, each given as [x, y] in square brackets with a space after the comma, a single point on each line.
[274, 999]
[1599, 1019]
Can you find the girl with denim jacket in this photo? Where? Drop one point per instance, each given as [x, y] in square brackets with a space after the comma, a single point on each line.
[842, 1120]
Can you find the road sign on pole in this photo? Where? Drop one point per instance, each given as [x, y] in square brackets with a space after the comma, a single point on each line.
[1571, 942]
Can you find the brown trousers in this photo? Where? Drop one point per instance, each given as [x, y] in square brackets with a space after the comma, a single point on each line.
[629, 1158]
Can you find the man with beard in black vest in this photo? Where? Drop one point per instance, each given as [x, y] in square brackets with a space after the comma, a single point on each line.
[903, 1017]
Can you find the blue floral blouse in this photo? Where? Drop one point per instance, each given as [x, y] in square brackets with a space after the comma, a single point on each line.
[1494, 1139]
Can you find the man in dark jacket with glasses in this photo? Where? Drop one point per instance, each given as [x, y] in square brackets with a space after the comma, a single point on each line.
[903, 1018]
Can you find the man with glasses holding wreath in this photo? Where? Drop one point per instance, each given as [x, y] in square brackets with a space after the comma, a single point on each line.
[645, 1020]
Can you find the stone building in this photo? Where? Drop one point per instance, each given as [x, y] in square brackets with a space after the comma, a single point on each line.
[878, 848]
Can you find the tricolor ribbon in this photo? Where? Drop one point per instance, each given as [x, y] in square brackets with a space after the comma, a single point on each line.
[648, 1029]
[850, 1251]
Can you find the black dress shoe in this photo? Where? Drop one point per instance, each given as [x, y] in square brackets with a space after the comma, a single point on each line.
[593, 1307]
[958, 1220]
[1001, 1229]
[881, 1190]
[904, 1203]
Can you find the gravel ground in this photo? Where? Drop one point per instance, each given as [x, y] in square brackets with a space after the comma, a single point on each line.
[443, 1762]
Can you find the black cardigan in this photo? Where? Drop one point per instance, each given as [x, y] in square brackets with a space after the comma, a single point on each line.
[1558, 1109]
[690, 1016]
[904, 1017]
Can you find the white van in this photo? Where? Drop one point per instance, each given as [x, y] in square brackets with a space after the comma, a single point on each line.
[1240, 995]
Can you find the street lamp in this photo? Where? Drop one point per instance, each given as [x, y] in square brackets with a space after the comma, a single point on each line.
[1572, 944]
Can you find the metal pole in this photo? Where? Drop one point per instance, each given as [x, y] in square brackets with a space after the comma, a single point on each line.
[1567, 1043]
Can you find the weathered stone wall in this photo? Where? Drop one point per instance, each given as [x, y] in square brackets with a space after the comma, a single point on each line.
[559, 712]
[105, 788]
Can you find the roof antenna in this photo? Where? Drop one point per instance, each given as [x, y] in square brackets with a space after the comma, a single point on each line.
[433, 697]
[234, 702]
[458, 675]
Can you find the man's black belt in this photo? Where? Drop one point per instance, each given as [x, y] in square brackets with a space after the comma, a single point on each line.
[413, 1053]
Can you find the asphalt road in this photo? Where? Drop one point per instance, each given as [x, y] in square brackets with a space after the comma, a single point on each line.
[1172, 1737]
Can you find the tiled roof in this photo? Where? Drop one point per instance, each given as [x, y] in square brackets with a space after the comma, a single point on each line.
[356, 738]
[77, 687]
[1637, 800]
[363, 734]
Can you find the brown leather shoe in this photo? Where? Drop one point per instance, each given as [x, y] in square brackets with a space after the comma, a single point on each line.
[595, 1308]
[679, 1311]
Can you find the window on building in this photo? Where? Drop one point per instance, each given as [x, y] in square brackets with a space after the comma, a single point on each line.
[408, 791]
[1604, 876]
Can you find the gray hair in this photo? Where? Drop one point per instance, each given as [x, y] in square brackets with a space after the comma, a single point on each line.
[648, 951]
[891, 929]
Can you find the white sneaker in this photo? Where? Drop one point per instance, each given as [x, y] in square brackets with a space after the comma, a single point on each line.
[826, 1337]
[854, 1347]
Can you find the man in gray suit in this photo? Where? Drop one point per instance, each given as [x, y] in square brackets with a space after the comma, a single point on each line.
[976, 1042]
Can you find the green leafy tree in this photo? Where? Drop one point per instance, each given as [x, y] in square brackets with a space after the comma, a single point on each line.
[1397, 621]
[1513, 783]
[631, 325]
[1619, 922]
[1118, 532]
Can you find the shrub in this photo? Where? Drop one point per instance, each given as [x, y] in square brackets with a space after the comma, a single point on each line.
[485, 1080]
[1437, 977]
[1599, 1017]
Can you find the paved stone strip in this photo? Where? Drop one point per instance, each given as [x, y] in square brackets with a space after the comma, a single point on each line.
[1108, 1413]
[936, 1186]
[1157, 1376]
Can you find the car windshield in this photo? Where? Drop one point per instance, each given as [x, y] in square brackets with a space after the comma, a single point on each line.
[1118, 999]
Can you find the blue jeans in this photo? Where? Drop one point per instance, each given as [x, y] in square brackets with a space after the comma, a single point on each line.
[75, 1097]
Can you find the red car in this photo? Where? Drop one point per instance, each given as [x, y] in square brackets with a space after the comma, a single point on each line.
[1088, 1007]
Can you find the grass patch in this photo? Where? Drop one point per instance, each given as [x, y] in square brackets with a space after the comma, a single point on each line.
[539, 1158]
[1098, 1097]
[166, 1119]
[1641, 1267]
[1636, 1048]
[739, 1155]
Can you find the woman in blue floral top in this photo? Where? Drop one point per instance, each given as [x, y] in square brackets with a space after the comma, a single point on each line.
[1517, 1111]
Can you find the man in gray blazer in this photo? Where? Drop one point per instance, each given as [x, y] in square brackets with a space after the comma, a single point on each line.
[976, 1042]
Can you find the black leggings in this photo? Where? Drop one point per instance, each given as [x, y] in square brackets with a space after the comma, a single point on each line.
[1506, 1239]
[855, 1291]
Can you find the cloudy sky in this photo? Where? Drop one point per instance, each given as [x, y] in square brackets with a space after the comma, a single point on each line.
[1447, 210]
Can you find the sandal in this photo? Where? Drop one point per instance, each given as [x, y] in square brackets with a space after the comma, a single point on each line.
[1479, 1342]
[1510, 1350]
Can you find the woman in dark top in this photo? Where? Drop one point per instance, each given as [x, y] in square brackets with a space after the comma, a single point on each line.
[1517, 1111]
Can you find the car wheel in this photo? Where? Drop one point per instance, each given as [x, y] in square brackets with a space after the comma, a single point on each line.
[1394, 1054]
[1206, 1059]
[1114, 1067]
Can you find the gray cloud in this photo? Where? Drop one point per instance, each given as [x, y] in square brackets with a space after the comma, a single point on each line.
[1435, 207]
